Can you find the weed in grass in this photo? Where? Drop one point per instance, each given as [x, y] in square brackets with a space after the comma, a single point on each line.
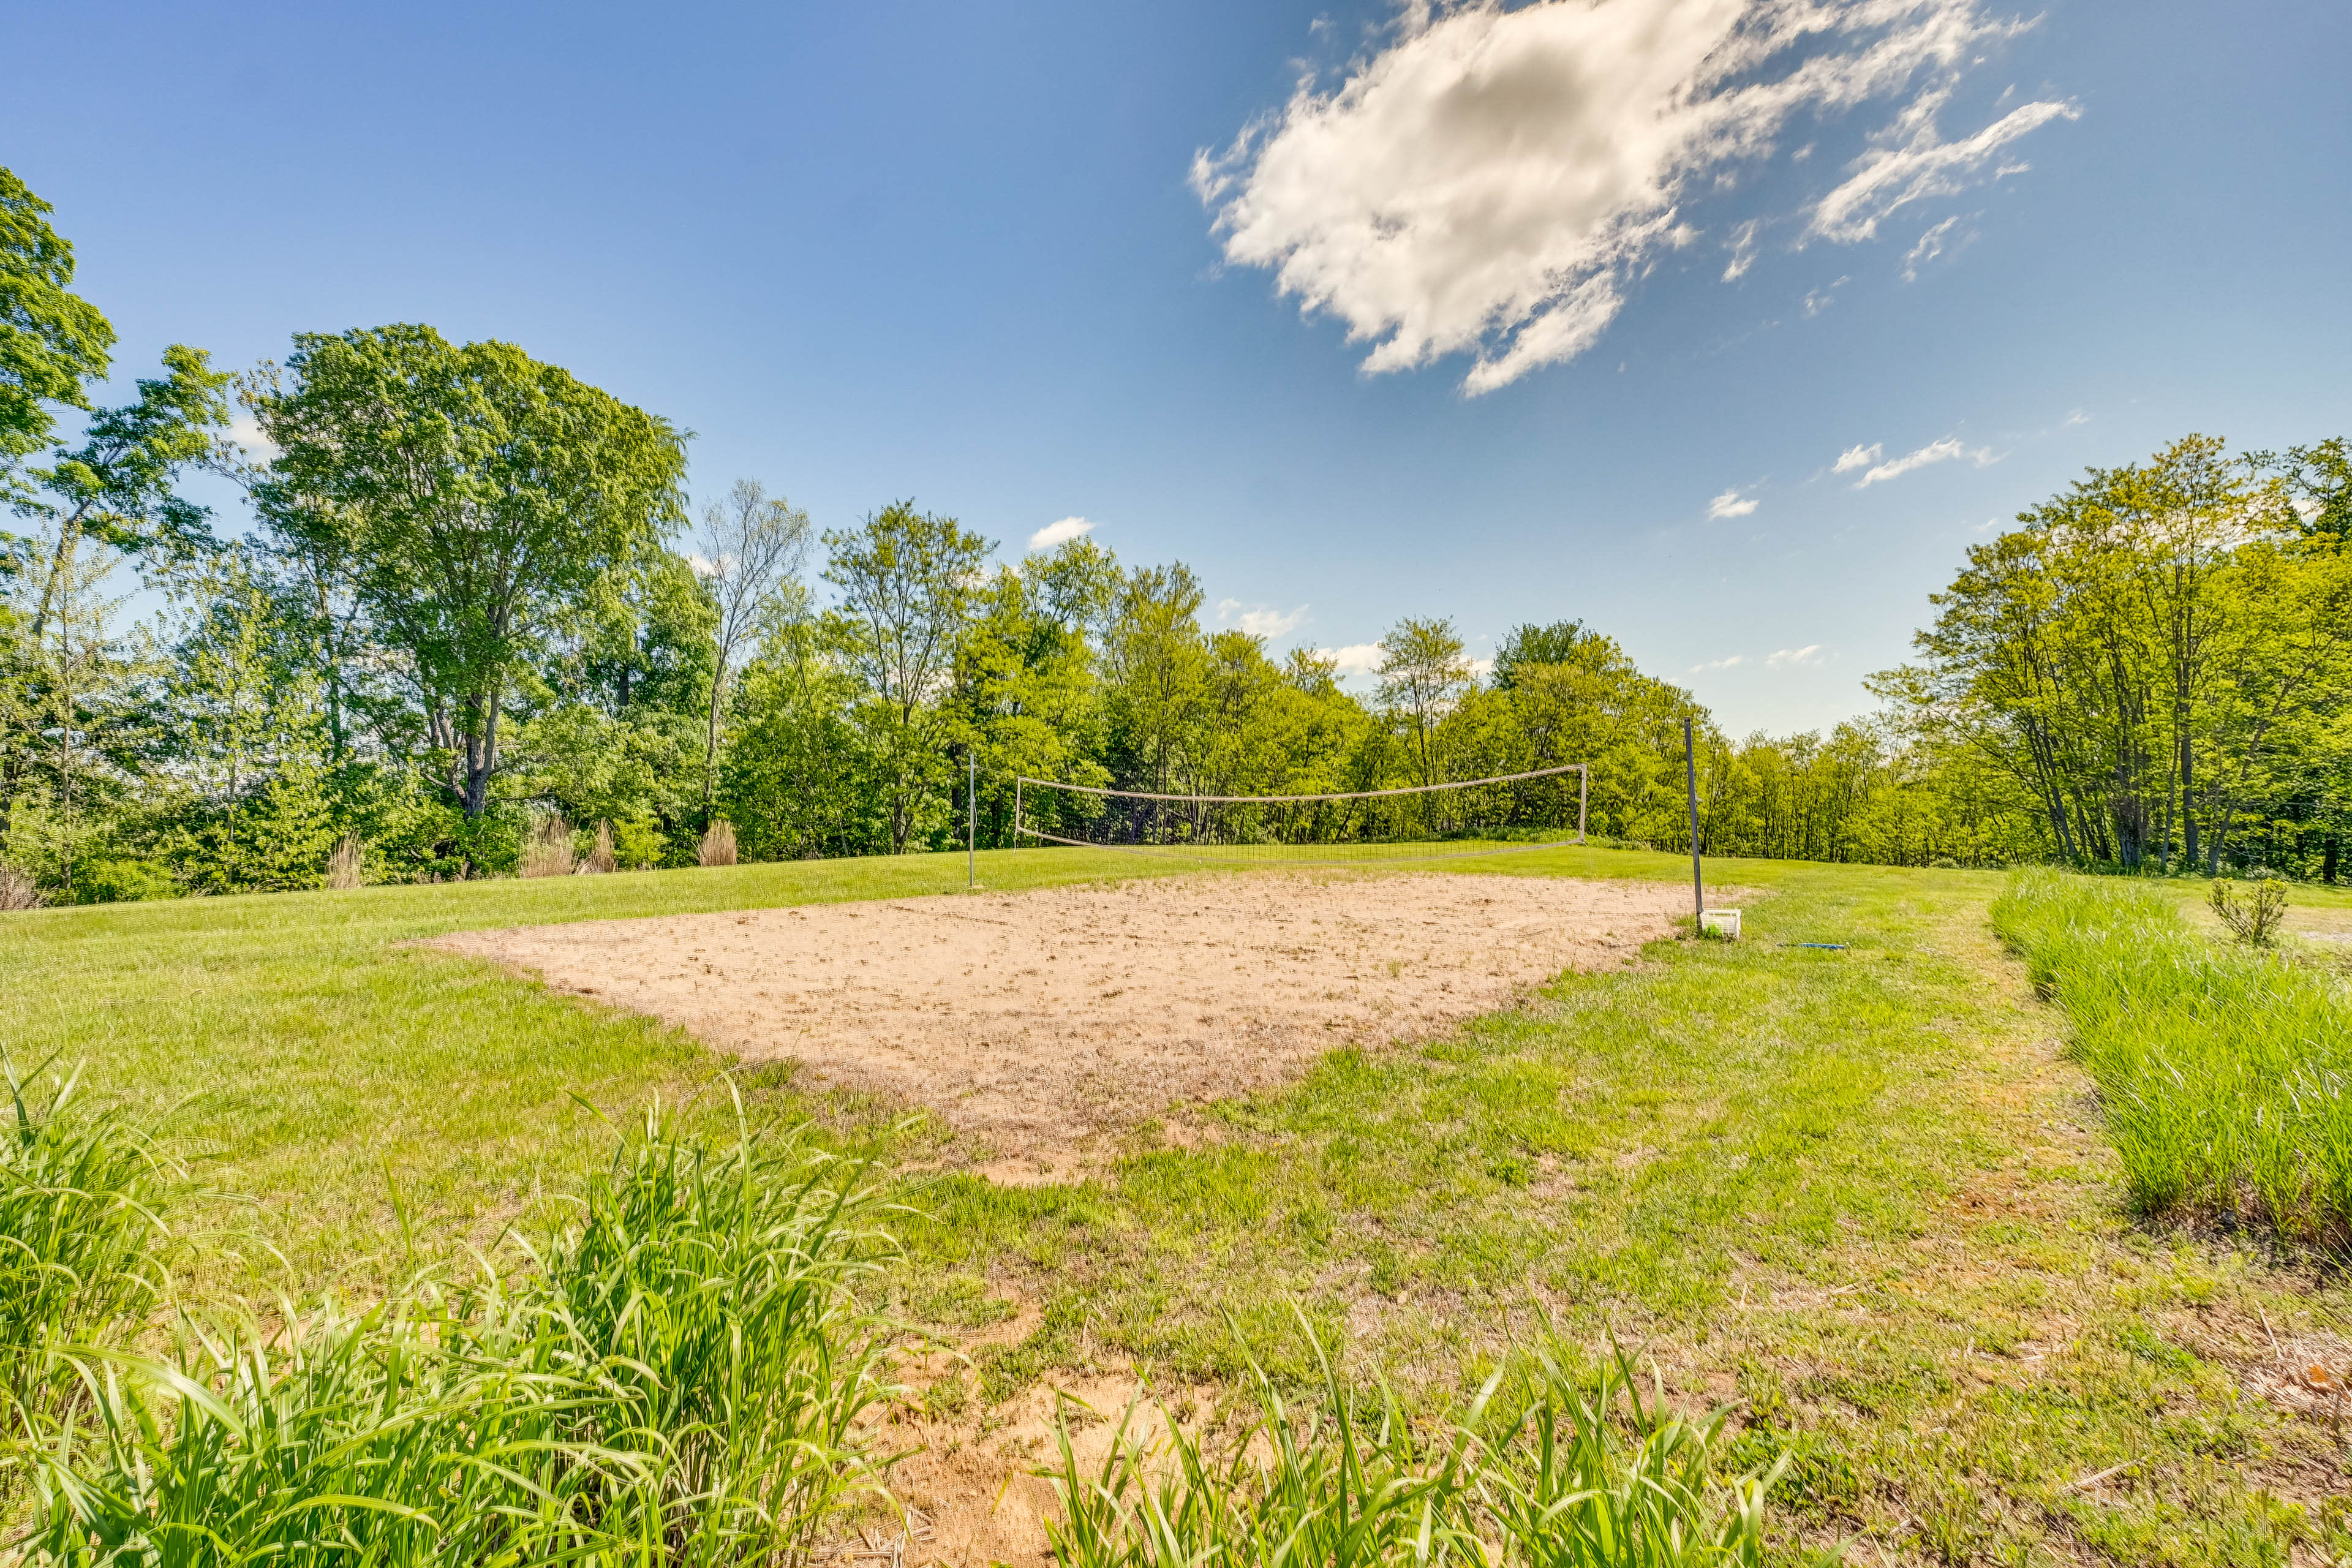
[2223, 1074]
[1578, 1472]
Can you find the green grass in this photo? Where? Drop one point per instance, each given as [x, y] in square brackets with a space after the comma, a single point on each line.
[2223, 1071]
[1859, 1190]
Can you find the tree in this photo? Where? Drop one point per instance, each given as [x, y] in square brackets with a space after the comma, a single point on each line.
[1532, 644]
[1423, 673]
[1157, 665]
[53, 343]
[907, 581]
[474, 492]
[753, 548]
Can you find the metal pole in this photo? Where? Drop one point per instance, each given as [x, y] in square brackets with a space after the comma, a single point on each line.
[1016, 810]
[1690, 783]
[972, 823]
[1583, 795]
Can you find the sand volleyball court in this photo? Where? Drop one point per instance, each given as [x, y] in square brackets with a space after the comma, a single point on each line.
[1035, 1019]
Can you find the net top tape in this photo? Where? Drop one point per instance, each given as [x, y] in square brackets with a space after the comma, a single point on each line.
[1295, 799]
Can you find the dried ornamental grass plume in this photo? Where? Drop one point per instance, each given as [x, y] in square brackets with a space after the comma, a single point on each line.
[17, 889]
[346, 868]
[547, 848]
[718, 844]
[601, 856]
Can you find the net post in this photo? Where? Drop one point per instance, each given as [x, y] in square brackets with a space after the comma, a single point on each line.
[1690, 783]
[1583, 793]
[1018, 782]
[972, 822]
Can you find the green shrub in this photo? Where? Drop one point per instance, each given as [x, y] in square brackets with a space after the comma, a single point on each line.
[2222, 1071]
[122, 881]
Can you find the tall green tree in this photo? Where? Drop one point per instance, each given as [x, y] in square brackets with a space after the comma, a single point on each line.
[753, 547]
[53, 343]
[907, 582]
[473, 493]
[1423, 672]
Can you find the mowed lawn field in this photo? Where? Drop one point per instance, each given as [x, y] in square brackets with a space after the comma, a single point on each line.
[1860, 1191]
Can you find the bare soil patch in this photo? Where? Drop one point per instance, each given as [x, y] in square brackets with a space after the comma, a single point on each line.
[1036, 1019]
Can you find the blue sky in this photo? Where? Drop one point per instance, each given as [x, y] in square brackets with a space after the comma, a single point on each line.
[961, 253]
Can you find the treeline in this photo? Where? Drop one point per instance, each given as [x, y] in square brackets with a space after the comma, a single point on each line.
[474, 602]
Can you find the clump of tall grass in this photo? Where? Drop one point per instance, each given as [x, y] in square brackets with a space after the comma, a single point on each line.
[1572, 1472]
[680, 1379]
[17, 888]
[547, 848]
[718, 846]
[82, 1196]
[2223, 1072]
[347, 865]
[601, 858]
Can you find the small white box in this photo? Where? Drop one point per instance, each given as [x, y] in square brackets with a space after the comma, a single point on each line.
[1724, 923]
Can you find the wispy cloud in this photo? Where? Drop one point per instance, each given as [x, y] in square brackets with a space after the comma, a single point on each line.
[1060, 532]
[1736, 661]
[1930, 246]
[1854, 458]
[1358, 659]
[1809, 654]
[1819, 300]
[1943, 451]
[1912, 162]
[1731, 503]
[1258, 620]
[1492, 178]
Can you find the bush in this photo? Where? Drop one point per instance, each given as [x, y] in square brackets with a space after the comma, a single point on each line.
[636, 843]
[2253, 919]
[2222, 1072]
[122, 881]
[718, 846]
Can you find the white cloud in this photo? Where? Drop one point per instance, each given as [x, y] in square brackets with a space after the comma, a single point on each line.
[246, 431]
[2077, 417]
[1912, 163]
[1942, 451]
[1060, 532]
[1259, 621]
[1492, 179]
[1733, 662]
[1358, 659]
[1730, 503]
[1482, 667]
[1809, 654]
[1857, 456]
[1819, 300]
[1930, 246]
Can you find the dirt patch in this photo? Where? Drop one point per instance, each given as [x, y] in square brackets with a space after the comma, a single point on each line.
[1038, 1019]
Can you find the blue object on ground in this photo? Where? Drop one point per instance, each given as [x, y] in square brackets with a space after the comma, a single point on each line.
[1824, 946]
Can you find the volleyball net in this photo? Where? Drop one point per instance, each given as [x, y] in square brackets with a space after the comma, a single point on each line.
[1543, 809]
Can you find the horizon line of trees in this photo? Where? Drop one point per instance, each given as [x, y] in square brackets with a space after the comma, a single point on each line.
[470, 603]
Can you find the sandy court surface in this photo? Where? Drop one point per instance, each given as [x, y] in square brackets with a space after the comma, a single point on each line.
[1035, 1019]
